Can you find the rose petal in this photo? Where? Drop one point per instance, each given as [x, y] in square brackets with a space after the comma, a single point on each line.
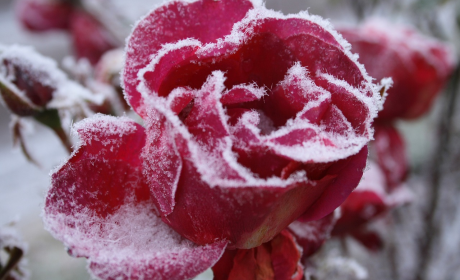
[225, 213]
[285, 256]
[242, 94]
[278, 259]
[418, 65]
[162, 162]
[247, 61]
[296, 92]
[370, 199]
[311, 235]
[359, 208]
[91, 39]
[108, 215]
[370, 239]
[341, 187]
[44, 15]
[391, 154]
[173, 22]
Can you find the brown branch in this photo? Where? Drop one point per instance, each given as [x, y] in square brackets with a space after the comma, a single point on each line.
[15, 256]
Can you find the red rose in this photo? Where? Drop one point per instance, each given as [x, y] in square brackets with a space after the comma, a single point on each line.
[90, 39]
[39, 15]
[418, 65]
[31, 83]
[257, 120]
[371, 199]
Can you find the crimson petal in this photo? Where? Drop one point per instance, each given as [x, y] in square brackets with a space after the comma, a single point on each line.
[278, 259]
[418, 65]
[341, 187]
[311, 235]
[173, 22]
[391, 154]
[108, 215]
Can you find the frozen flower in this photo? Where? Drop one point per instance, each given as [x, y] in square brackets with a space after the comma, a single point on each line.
[418, 65]
[371, 199]
[90, 38]
[252, 119]
[311, 235]
[44, 15]
[32, 85]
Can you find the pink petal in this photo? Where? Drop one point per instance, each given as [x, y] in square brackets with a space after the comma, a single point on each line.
[312, 235]
[91, 39]
[204, 20]
[418, 65]
[359, 208]
[370, 239]
[349, 172]
[108, 216]
[285, 256]
[38, 15]
[162, 162]
[391, 154]
[277, 259]
[241, 94]
[246, 216]
[295, 92]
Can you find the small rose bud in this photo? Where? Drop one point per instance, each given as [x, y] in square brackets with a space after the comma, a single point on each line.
[25, 86]
[44, 15]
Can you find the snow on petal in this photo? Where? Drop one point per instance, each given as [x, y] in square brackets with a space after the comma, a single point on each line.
[109, 216]
[176, 21]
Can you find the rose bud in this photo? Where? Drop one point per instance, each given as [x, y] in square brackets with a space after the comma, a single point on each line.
[91, 40]
[26, 85]
[418, 65]
[32, 85]
[389, 150]
[259, 119]
[44, 15]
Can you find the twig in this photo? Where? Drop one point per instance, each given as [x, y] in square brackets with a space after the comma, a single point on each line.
[15, 257]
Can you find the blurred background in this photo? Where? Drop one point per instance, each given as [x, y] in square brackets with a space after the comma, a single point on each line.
[22, 184]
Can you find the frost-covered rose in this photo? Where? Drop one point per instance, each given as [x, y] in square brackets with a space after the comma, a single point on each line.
[418, 65]
[252, 119]
[370, 200]
[270, 118]
[381, 189]
[90, 38]
[31, 83]
[44, 15]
